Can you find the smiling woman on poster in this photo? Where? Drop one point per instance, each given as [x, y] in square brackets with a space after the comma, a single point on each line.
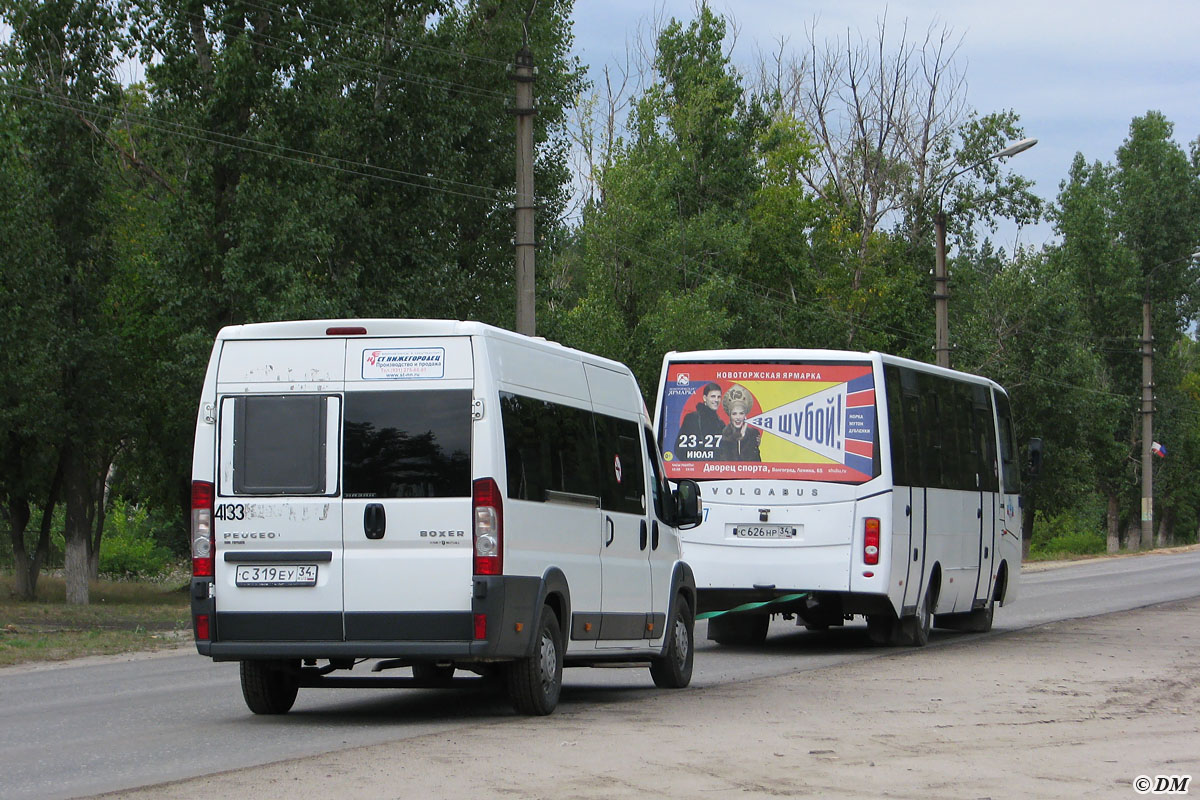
[739, 441]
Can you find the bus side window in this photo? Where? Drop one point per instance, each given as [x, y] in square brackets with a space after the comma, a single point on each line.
[902, 473]
[1010, 471]
[984, 436]
[914, 443]
[932, 422]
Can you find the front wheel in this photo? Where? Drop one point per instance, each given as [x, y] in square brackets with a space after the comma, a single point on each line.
[535, 682]
[674, 669]
[270, 687]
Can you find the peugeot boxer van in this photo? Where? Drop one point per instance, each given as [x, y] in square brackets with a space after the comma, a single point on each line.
[419, 498]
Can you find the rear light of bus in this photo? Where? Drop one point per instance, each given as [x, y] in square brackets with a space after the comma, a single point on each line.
[488, 533]
[871, 541]
[202, 532]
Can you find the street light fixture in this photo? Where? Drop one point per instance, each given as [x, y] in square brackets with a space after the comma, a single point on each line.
[941, 290]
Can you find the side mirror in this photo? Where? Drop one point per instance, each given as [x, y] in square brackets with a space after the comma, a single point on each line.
[1035, 458]
[688, 511]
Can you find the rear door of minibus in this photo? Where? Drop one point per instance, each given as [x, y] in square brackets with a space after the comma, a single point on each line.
[406, 512]
[277, 526]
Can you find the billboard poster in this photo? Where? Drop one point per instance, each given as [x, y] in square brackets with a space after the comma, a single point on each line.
[769, 421]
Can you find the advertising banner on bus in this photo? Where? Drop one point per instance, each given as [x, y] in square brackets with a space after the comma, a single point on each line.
[769, 421]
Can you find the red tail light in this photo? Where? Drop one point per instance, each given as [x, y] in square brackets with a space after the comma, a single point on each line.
[202, 532]
[488, 533]
[871, 541]
[202, 633]
[480, 626]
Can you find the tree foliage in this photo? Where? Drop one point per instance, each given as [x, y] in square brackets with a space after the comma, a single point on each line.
[341, 158]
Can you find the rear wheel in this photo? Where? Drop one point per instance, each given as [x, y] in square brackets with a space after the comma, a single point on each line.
[674, 669]
[270, 687]
[914, 630]
[535, 682]
[977, 621]
[744, 630]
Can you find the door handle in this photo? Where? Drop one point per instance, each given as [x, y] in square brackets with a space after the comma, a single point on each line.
[654, 535]
[374, 520]
[642, 537]
[612, 531]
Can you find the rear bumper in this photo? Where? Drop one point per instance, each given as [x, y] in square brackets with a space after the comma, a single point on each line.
[504, 600]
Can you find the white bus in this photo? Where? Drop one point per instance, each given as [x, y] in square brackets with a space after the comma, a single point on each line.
[838, 484]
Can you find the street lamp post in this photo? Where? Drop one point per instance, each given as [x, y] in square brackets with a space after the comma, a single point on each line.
[941, 283]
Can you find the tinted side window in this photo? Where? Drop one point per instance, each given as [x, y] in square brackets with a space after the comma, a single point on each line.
[548, 447]
[1008, 446]
[414, 443]
[984, 432]
[659, 488]
[932, 422]
[279, 445]
[900, 452]
[622, 479]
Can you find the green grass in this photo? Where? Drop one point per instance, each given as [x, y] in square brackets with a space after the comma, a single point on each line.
[122, 617]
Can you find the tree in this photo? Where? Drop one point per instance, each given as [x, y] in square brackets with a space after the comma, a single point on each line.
[353, 159]
[1127, 231]
[665, 248]
[58, 76]
[1022, 323]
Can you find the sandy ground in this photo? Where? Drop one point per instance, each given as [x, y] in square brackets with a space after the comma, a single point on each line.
[1070, 709]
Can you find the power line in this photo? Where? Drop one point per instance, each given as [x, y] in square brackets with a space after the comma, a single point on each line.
[367, 67]
[336, 26]
[262, 148]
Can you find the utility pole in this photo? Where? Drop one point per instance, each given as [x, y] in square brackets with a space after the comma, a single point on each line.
[941, 281]
[1147, 534]
[523, 73]
[941, 292]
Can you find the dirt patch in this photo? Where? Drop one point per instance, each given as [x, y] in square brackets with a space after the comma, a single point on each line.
[1070, 709]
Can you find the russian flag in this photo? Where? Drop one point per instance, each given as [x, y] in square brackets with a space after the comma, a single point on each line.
[1158, 450]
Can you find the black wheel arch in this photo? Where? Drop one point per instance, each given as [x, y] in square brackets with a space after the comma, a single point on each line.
[555, 592]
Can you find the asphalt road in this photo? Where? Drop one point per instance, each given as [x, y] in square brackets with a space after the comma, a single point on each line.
[86, 728]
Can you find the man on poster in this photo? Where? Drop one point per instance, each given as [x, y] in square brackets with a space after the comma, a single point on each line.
[704, 421]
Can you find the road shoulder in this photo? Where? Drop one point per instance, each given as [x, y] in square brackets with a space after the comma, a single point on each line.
[1066, 710]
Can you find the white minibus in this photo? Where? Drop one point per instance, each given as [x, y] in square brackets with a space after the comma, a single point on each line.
[839, 484]
[433, 496]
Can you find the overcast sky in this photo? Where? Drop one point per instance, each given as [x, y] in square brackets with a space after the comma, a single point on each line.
[1076, 72]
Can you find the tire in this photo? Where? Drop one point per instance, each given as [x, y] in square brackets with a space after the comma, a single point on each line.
[674, 669]
[977, 621]
[739, 630]
[270, 687]
[535, 682]
[914, 630]
[434, 674]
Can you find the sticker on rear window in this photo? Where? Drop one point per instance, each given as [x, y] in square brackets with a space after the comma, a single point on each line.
[395, 364]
